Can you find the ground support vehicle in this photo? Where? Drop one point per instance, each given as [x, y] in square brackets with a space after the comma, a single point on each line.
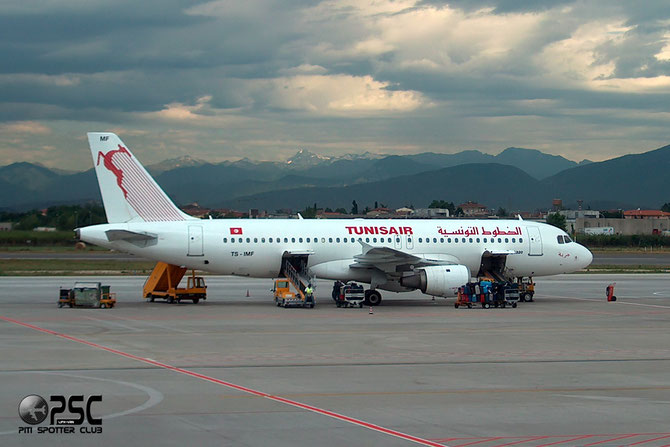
[284, 297]
[350, 295]
[463, 299]
[87, 294]
[505, 294]
[164, 281]
[526, 289]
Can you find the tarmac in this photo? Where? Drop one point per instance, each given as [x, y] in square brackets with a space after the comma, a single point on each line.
[568, 369]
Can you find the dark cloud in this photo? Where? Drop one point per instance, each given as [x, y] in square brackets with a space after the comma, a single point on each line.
[118, 63]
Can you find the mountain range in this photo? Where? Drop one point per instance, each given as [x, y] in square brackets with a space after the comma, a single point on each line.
[516, 179]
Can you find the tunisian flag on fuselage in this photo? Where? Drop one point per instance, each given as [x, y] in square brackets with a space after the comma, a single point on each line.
[235, 230]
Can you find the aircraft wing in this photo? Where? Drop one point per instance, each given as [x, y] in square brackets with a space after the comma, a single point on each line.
[130, 236]
[388, 259]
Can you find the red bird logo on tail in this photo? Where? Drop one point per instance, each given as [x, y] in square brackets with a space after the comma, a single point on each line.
[118, 173]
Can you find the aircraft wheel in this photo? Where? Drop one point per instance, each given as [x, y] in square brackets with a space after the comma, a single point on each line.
[486, 305]
[170, 300]
[151, 298]
[469, 306]
[103, 306]
[456, 305]
[373, 297]
[196, 300]
[513, 305]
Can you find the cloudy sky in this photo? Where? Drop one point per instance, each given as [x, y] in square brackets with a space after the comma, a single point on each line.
[264, 78]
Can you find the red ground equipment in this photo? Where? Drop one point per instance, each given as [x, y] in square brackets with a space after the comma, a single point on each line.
[610, 292]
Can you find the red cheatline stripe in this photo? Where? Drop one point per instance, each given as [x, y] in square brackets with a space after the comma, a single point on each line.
[612, 439]
[650, 440]
[144, 208]
[566, 440]
[144, 195]
[187, 372]
[147, 193]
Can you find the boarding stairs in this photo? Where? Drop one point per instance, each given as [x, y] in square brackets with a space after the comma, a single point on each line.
[299, 279]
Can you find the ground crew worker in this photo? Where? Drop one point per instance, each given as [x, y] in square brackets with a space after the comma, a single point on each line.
[308, 290]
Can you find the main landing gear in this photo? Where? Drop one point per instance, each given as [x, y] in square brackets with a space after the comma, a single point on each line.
[373, 297]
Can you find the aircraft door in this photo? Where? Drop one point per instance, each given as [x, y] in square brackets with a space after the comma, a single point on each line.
[409, 241]
[195, 243]
[535, 241]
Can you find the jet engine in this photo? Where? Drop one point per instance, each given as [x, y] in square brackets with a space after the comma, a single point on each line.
[439, 280]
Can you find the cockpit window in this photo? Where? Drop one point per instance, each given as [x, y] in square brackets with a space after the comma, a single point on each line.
[567, 238]
[559, 238]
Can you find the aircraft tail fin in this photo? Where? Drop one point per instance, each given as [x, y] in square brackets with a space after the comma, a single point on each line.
[129, 193]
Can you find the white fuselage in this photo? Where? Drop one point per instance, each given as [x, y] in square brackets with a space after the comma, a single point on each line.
[255, 248]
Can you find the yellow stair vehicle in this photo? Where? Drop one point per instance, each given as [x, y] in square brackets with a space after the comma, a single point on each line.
[164, 281]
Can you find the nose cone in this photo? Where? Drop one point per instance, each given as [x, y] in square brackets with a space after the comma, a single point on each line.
[584, 257]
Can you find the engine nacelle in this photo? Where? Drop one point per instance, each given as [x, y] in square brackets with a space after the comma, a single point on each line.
[439, 280]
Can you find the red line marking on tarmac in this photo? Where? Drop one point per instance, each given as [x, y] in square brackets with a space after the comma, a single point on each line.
[566, 440]
[479, 442]
[650, 440]
[612, 439]
[537, 438]
[187, 372]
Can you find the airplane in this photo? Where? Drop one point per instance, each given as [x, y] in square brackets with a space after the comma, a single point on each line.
[435, 256]
[33, 411]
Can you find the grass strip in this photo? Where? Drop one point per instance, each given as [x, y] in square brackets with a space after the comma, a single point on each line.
[78, 267]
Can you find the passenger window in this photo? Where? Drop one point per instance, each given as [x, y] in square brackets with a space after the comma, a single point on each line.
[456, 240]
[484, 240]
[292, 239]
[248, 240]
[263, 240]
[420, 240]
[520, 240]
[225, 239]
[285, 239]
[330, 239]
[323, 240]
[499, 240]
[255, 240]
[448, 240]
[345, 240]
[270, 240]
[239, 240]
[463, 240]
[367, 239]
[442, 240]
[559, 238]
[299, 239]
[506, 240]
[513, 240]
[470, 240]
[374, 239]
[337, 240]
[397, 240]
[435, 240]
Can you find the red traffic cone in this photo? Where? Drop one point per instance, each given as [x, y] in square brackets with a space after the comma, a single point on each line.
[370, 312]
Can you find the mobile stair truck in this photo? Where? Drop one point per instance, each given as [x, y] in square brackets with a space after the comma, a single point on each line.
[284, 297]
[164, 281]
